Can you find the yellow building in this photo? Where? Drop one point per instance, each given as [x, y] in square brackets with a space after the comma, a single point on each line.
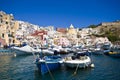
[72, 30]
[8, 28]
[72, 35]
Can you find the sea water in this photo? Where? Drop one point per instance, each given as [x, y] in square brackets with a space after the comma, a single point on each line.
[23, 68]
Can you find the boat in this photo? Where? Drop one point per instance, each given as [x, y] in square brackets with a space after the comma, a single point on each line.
[80, 59]
[97, 51]
[25, 50]
[106, 47]
[60, 50]
[48, 63]
[113, 54]
[48, 51]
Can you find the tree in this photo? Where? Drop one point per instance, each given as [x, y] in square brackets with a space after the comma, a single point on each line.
[92, 26]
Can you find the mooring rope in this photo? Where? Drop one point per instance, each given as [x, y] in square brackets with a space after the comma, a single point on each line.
[76, 69]
[49, 71]
[75, 72]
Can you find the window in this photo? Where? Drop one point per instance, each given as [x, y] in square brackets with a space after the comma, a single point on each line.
[3, 35]
[1, 16]
[13, 41]
[6, 22]
[10, 40]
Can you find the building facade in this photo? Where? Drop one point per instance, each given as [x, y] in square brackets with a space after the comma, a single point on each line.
[8, 28]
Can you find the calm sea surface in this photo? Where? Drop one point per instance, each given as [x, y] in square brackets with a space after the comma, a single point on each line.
[23, 68]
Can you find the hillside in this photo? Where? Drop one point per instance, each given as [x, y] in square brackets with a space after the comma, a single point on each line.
[110, 30]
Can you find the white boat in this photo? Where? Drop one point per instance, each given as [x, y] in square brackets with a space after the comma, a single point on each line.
[25, 50]
[48, 51]
[97, 51]
[79, 60]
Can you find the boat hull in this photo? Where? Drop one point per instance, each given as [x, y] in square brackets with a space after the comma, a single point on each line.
[98, 52]
[113, 54]
[20, 52]
[26, 50]
[79, 63]
[48, 63]
[46, 67]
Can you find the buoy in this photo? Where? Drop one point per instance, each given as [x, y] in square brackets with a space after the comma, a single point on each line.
[14, 55]
[92, 65]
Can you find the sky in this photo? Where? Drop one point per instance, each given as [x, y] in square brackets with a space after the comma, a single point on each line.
[62, 13]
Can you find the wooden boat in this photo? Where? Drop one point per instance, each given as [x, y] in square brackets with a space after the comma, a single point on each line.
[48, 63]
[81, 60]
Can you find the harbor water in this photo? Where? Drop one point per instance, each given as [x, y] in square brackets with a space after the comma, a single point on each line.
[23, 68]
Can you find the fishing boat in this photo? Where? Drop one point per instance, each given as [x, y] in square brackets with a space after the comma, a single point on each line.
[48, 63]
[80, 59]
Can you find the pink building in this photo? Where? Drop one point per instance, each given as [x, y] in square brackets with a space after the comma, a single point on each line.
[63, 42]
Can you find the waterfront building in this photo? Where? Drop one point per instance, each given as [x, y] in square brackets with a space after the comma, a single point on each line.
[50, 35]
[57, 36]
[8, 28]
[72, 35]
[62, 30]
[23, 34]
[41, 37]
[101, 40]
[63, 41]
[71, 30]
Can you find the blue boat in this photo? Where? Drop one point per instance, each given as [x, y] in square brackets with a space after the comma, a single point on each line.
[48, 63]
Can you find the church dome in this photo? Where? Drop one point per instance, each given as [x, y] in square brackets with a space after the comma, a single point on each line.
[71, 26]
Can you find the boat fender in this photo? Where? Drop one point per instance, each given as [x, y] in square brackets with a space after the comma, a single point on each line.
[92, 65]
[14, 55]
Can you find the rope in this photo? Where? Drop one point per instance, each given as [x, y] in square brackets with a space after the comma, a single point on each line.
[75, 72]
[49, 71]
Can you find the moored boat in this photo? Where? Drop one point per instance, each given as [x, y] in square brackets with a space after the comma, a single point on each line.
[97, 51]
[48, 63]
[25, 50]
[106, 48]
[113, 53]
[81, 60]
[48, 51]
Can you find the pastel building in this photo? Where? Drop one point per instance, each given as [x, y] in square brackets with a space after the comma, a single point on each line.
[101, 40]
[8, 28]
[72, 35]
[63, 41]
